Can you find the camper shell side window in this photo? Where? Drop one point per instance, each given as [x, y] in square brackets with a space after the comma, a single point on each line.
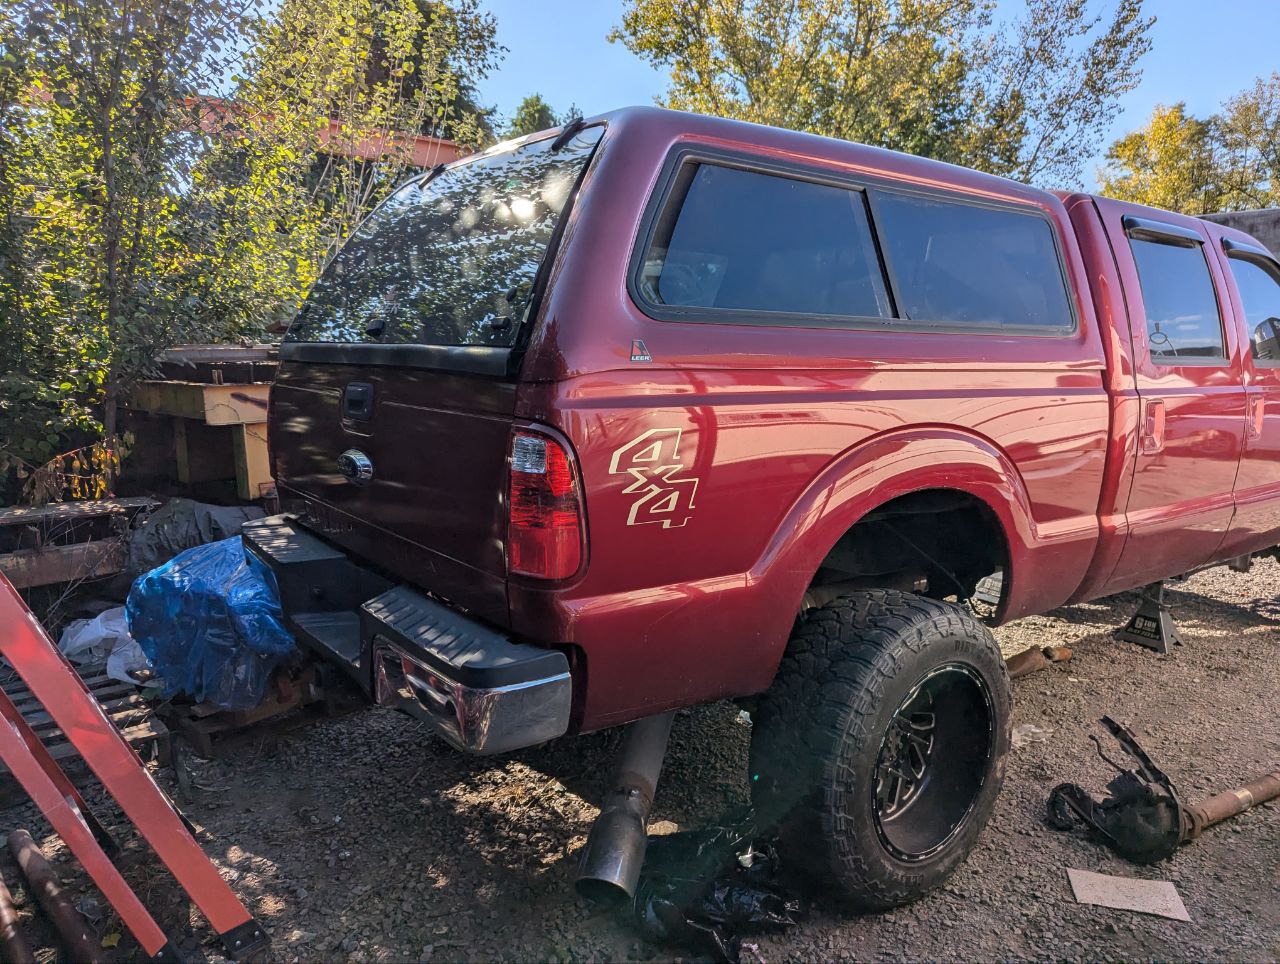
[734, 240]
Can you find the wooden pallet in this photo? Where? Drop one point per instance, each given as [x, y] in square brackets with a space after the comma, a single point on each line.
[123, 704]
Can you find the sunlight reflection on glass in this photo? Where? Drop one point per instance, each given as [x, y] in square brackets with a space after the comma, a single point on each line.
[522, 208]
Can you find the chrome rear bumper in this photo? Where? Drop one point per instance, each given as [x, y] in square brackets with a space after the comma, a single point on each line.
[476, 719]
[469, 682]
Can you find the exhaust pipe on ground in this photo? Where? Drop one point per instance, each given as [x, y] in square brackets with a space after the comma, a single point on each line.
[614, 853]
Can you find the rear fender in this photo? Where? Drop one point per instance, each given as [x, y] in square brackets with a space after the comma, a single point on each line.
[884, 468]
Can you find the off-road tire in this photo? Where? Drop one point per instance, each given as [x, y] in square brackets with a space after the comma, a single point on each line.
[818, 732]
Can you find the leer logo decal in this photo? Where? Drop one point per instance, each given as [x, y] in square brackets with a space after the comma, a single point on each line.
[662, 493]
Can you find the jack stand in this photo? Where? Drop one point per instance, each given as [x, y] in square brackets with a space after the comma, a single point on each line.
[113, 761]
[1152, 626]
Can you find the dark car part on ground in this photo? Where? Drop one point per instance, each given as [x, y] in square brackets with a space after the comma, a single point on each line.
[707, 889]
[1143, 819]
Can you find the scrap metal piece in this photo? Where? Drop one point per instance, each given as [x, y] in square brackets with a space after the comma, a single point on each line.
[13, 946]
[1036, 658]
[1143, 819]
[75, 936]
[1027, 662]
[1229, 803]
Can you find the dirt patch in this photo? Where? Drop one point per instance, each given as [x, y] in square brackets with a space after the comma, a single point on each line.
[366, 839]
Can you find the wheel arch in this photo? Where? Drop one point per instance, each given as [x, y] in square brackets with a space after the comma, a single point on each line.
[890, 467]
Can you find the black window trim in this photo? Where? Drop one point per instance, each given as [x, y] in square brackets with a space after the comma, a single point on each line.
[1176, 236]
[1161, 232]
[864, 184]
[1257, 255]
[494, 361]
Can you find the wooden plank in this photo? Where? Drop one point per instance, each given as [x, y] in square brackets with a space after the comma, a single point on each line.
[211, 404]
[43, 721]
[152, 729]
[253, 466]
[52, 564]
[122, 720]
[62, 511]
[107, 691]
[185, 399]
[92, 675]
[237, 404]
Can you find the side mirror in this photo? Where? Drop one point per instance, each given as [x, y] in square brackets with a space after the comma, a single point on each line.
[1266, 340]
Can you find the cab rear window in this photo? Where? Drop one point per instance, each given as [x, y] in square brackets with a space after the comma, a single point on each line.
[449, 260]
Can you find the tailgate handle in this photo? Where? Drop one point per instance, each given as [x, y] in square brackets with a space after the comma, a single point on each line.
[357, 401]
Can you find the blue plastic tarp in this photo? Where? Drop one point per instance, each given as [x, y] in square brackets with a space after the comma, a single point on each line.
[209, 621]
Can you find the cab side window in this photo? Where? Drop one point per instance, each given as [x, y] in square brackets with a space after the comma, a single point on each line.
[1259, 287]
[1183, 321]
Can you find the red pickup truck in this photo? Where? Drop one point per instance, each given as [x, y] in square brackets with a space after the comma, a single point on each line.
[657, 409]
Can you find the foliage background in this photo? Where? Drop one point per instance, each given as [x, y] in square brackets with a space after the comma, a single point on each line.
[1229, 161]
[163, 177]
[139, 209]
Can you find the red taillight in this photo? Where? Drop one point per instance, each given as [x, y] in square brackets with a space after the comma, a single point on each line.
[544, 535]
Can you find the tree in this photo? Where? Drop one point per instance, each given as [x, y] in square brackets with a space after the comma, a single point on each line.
[1250, 126]
[468, 53]
[1229, 161]
[535, 114]
[137, 211]
[1026, 97]
[95, 149]
[1174, 162]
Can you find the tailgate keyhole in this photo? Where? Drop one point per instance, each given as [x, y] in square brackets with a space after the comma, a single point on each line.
[357, 401]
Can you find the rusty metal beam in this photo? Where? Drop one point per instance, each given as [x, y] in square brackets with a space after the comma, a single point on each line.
[13, 946]
[75, 936]
[25, 568]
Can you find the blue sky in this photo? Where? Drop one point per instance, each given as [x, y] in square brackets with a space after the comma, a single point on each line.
[1204, 51]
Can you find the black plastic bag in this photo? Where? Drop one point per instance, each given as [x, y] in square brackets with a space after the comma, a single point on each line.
[708, 889]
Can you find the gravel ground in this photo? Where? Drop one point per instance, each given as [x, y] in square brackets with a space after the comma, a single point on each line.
[364, 839]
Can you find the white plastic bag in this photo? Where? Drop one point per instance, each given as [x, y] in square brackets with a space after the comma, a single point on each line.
[91, 640]
[126, 659]
[105, 637]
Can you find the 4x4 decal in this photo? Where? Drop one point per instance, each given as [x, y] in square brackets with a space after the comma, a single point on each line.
[663, 493]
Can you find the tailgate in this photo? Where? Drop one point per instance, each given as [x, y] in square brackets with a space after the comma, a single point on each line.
[432, 510]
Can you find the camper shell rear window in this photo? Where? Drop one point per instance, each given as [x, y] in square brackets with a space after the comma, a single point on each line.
[449, 260]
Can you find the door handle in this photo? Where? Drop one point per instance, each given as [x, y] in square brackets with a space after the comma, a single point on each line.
[1257, 416]
[1153, 419]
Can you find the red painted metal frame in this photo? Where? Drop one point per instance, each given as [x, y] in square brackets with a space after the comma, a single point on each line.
[68, 701]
